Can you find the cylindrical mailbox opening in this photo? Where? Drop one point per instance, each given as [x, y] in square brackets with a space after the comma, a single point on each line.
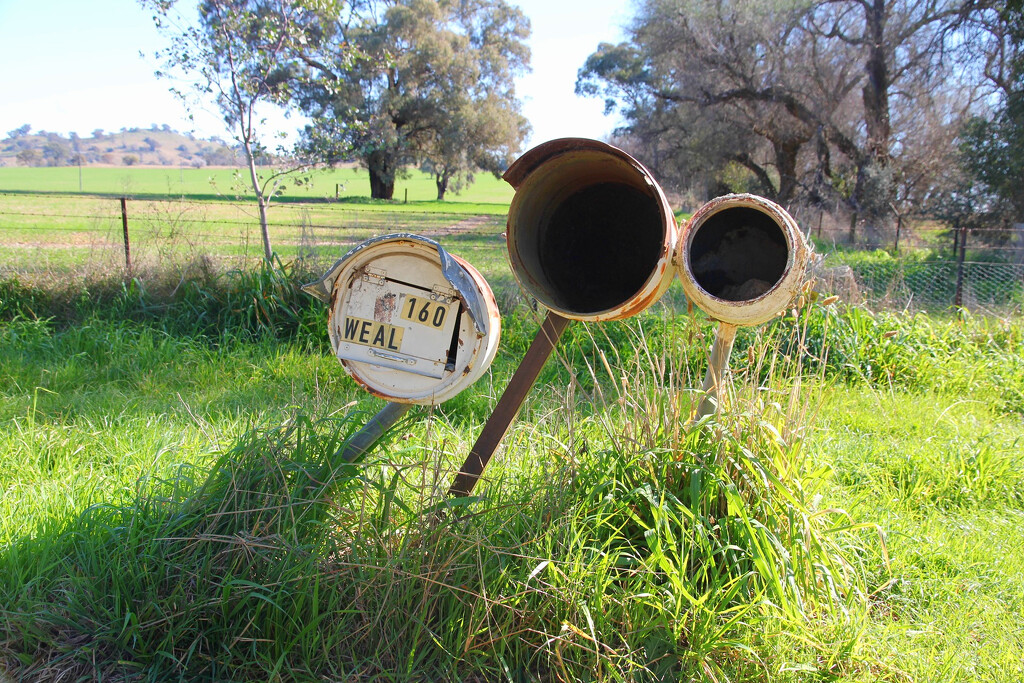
[741, 259]
[590, 234]
[738, 254]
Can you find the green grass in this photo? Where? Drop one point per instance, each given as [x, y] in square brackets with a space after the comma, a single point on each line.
[220, 183]
[172, 507]
[46, 235]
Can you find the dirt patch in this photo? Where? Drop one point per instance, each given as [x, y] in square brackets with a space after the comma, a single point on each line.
[470, 224]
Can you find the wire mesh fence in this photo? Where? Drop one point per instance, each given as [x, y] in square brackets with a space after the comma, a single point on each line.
[931, 285]
[41, 235]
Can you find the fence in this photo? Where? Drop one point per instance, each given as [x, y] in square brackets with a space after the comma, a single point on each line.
[42, 235]
[45, 234]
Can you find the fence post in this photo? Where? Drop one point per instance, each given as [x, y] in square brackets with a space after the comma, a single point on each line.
[127, 244]
[958, 300]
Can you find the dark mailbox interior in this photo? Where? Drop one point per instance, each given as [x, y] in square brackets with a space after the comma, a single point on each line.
[738, 254]
[599, 246]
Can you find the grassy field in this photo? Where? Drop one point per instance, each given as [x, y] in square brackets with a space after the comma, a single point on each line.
[48, 229]
[225, 183]
[170, 507]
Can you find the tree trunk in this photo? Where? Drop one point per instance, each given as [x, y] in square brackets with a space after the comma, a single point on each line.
[442, 186]
[786, 153]
[380, 187]
[381, 166]
[876, 91]
[261, 203]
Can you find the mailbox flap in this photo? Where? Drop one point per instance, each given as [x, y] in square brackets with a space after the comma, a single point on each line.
[397, 325]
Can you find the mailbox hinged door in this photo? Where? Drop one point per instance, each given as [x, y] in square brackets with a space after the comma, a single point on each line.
[396, 325]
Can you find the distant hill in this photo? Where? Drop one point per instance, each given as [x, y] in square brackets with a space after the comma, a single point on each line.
[155, 146]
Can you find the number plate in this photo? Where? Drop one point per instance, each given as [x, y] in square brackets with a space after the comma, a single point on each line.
[396, 325]
[420, 309]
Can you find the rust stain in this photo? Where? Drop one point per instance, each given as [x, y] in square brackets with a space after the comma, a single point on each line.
[384, 307]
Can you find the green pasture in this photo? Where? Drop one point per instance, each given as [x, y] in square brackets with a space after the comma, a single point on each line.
[172, 506]
[48, 229]
[230, 184]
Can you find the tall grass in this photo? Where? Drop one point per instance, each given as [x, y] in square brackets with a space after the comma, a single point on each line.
[612, 539]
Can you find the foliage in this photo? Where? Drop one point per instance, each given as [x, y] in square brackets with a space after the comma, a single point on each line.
[244, 53]
[993, 147]
[432, 81]
[820, 102]
[265, 301]
[154, 534]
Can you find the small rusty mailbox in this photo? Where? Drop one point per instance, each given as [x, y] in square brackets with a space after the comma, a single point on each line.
[741, 259]
[409, 321]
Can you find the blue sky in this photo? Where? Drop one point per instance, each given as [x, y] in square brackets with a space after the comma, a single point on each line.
[78, 65]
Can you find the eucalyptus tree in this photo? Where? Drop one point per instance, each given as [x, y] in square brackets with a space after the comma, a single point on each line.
[431, 81]
[832, 93]
[246, 54]
[992, 143]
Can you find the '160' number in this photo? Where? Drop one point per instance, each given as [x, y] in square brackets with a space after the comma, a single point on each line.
[424, 311]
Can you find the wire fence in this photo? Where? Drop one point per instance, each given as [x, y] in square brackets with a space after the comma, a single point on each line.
[933, 269]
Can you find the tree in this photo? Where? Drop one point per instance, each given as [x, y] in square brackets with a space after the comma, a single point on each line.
[993, 146]
[27, 157]
[830, 92]
[411, 80]
[19, 132]
[484, 135]
[244, 53]
[55, 152]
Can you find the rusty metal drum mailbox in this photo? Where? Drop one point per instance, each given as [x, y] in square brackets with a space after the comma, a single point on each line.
[741, 259]
[590, 232]
[409, 321]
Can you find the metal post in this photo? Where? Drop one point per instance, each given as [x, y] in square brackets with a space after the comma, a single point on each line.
[127, 244]
[374, 428]
[508, 405]
[958, 300]
[710, 390]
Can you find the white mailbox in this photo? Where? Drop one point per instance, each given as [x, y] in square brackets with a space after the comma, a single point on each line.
[409, 321]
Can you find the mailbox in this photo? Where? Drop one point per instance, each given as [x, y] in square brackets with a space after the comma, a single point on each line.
[590, 232]
[409, 321]
[741, 259]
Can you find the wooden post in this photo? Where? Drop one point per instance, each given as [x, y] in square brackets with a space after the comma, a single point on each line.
[127, 244]
[899, 224]
[508, 405]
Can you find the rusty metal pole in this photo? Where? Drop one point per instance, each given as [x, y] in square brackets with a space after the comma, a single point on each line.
[374, 428]
[508, 405]
[718, 363]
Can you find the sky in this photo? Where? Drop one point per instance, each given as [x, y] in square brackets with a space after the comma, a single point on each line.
[79, 65]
